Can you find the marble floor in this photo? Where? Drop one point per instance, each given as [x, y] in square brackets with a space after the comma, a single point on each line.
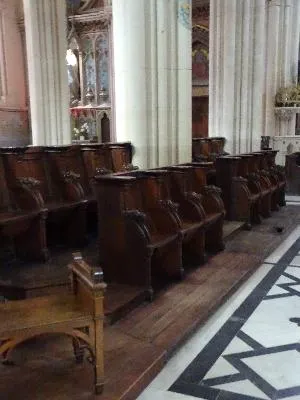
[250, 348]
[293, 200]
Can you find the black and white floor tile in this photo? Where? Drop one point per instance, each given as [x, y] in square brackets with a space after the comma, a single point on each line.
[249, 349]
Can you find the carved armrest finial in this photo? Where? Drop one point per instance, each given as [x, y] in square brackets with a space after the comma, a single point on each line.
[136, 215]
[129, 167]
[169, 204]
[194, 196]
[70, 176]
[102, 171]
[28, 182]
[212, 189]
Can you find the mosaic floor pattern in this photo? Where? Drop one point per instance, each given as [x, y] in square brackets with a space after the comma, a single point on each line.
[249, 350]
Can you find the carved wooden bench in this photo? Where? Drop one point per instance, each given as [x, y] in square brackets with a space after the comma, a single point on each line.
[195, 177]
[275, 177]
[96, 159]
[240, 203]
[208, 149]
[139, 237]
[279, 172]
[28, 171]
[201, 149]
[21, 222]
[121, 156]
[187, 208]
[78, 314]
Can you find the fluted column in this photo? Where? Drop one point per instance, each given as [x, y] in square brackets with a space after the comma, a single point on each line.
[152, 58]
[45, 26]
[236, 67]
[282, 60]
[253, 52]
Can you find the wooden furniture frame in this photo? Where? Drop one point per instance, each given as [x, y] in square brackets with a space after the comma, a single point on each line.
[211, 201]
[28, 171]
[137, 240]
[189, 211]
[278, 175]
[78, 314]
[184, 187]
[208, 149]
[240, 204]
[22, 222]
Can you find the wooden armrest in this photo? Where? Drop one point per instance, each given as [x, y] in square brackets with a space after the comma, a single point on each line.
[70, 177]
[239, 179]
[114, 179]
[93, 276]
[165, 216]
[138, 220]
[27, 194]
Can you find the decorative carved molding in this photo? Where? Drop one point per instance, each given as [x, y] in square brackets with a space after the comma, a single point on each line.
[70, 176]
[286, 113]
[91, 22]
[201, 12]
[29, 182]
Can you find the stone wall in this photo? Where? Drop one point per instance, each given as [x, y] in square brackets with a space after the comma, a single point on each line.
[14, 128]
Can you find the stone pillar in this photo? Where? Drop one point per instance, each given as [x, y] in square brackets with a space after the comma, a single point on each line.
[153, 85]
[282, 60]
[253, 52]
[45, 26]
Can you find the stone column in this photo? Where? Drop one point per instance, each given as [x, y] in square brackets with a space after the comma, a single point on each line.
[282, 60]
[236, 61]
[45, 26]
[253, 52]
[153, 86]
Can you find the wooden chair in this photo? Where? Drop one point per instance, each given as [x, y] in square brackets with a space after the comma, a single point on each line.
[27, 171]
[96, 159]
[22, 222]
[257, 173]
[138, 240]
[279, 175]
[240, 203]
[191, 179]
[68, 159]
[78, 314]
[189, 212]
[121, 156]
[201, 149]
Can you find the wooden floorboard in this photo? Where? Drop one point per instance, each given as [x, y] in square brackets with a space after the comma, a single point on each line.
[137, 346]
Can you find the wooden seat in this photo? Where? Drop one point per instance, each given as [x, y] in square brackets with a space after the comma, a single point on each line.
[201, 149]
[139, 237]
[278, 176]
[208, 149]
[261, 176]
[69, 160]
[260, 193]
[189, 213]
[121, 156]
[78, 314]
[192, 179]
[24, 228]
[96, 159]
[241, 203]
[28, 173]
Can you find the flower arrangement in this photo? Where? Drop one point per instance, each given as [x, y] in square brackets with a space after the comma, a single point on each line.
[81, 133]
[288, 96]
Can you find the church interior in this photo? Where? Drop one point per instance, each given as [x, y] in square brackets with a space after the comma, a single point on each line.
[149, 199]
